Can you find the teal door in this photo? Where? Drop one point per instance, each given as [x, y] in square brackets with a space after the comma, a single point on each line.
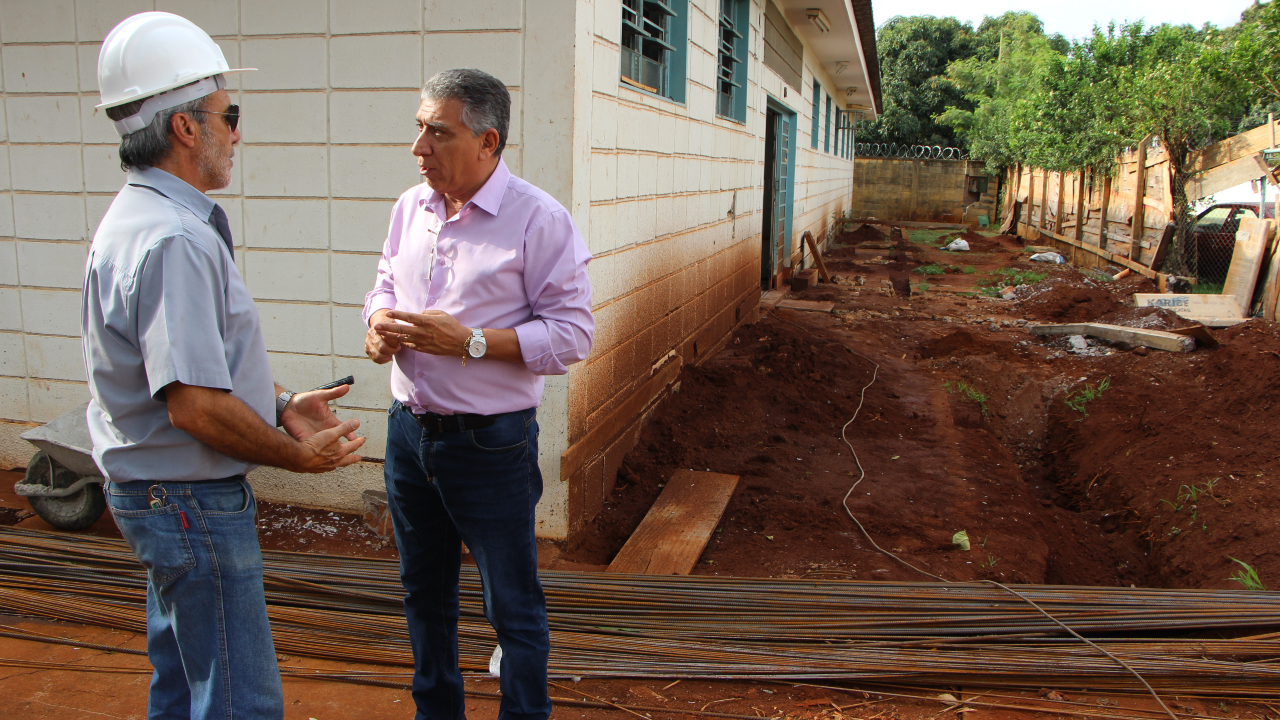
[779, 149]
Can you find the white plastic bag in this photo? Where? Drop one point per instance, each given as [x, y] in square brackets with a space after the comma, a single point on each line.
[495, 662]
[1049, 257]
[957, 245]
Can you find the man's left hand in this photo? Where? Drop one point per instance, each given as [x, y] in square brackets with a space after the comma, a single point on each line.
[432, 332]
[308, 413]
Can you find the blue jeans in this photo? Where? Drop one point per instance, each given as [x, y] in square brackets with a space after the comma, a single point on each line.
[207, 633]
[479, 487]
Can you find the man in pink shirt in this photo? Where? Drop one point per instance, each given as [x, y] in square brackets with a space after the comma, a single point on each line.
[482, 289]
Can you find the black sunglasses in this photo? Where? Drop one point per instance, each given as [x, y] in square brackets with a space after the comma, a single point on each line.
[232, 115]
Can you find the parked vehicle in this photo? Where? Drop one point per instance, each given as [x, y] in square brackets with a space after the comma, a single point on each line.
[1213, 238]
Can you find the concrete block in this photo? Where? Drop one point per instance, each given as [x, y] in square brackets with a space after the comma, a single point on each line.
[8, 256]
[40, 68]
[94, 123]
[497, 53]
[604, 123]
[10, 310]
[348, 332]
[358, 225]
[52, 357]
[280, 275]
[49, 217]
[13, 406]
[373, 117]
[608, 22]
[476, 15]
[628, 175]
[602, 234]
[4, 171]
[337, 490]
[285, 171]
[352, 276]
[13, 357]
[216, 17]
[95, 19]
[648, 175]
[285, 63]
[283, 117]
[43, 119]
[377, 515]
[45, 21]
[372, 172]
[50, 312]
[102, 171]
[295, 328]
[372, 390]
[46, 167]
[284, 18]
[286, 224]
[374, 16]
[373, 428]
[604, 176]
[51, 398]
[606, 68]
[301, 372]
[382, 61]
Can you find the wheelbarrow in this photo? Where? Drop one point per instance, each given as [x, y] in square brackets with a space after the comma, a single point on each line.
[63, 483]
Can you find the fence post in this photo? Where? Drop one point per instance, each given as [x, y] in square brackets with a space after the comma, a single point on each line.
[1044, 200]
[1057, 215]
[1138, 230]
[1103, 211]
[1031, 196]
[1079, 233]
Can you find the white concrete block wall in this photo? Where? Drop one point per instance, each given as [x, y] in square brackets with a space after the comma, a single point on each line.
[327, 121]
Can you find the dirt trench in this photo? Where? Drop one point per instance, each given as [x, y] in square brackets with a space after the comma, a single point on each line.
[1159, 480]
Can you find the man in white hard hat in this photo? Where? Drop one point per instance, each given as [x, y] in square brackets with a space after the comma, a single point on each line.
[183, 403]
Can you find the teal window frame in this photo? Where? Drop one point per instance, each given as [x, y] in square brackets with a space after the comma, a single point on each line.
[817, 109]
[731, 69]
[655, 47]
[826, 133]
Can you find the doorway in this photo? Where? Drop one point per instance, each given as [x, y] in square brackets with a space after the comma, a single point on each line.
[779, 185]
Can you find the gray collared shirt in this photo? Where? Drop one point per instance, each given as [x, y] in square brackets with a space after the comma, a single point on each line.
[164, 302]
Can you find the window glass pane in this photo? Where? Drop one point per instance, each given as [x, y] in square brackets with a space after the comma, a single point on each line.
[817, 107]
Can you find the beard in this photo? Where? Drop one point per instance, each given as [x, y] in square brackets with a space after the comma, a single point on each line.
[214, 162]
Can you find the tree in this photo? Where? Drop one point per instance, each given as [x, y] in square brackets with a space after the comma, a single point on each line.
[914, 55]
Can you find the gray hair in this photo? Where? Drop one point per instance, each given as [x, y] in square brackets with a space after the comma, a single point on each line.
[486, 104]
[149, 146]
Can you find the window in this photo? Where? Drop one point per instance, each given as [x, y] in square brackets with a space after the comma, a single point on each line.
[653, 46]
[826, 135]
[839, 131]
[817, 108]
[731, 77]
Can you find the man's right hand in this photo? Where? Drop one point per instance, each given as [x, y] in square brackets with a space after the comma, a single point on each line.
[378, 348]
[326, 450]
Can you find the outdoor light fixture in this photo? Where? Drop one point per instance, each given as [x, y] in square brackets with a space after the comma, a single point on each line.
[817, 17]
[841, 67]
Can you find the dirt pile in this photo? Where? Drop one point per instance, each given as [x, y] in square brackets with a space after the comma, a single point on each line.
[862, 234]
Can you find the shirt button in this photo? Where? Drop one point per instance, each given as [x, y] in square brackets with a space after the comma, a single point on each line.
[421, 375]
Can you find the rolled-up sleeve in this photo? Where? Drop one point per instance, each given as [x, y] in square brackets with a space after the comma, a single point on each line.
[182, 317]
[559, 292]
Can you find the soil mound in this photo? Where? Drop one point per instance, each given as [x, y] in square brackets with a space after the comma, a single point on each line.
[1065, 298]
[865, 234]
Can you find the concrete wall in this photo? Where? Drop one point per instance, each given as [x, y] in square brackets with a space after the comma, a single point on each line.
[668, 196]
[675, 212]
[909, 189]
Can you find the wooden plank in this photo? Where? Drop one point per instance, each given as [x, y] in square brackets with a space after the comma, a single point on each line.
[675, 531]
[1196, 307]
[1246, 259]
[1157, 339]
[1079, 231]
[1102, 253]
[807, 305]
[1231, 149]
[1044, 200]
[1139, 191]
[769, 300]
[1236, 172]
[1204, 338]
[1057, 217]
[918, 224]
[1104, 208]
[817, 257]
[1162, 246]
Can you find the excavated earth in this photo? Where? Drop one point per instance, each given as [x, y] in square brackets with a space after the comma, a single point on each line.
[1160, 470]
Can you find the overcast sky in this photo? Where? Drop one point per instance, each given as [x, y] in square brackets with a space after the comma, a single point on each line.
[1075, 18]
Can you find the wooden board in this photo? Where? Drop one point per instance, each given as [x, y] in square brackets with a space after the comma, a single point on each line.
[817, 257]
[1193, 307]
[1203, 337]
[1246, 259]
[1229, 175]
[676, 529]
[1158, 339]
[825, 306]
[770, 299]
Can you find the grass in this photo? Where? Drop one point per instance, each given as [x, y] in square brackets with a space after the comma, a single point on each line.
[1099, 276]
[1203, 288]
[933, 269]
[1090, 393]
[928, 237]
[968, 269]
[969, 392]
[1246, 576]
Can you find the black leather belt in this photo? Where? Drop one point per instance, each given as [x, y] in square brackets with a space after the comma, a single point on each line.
[452, 423]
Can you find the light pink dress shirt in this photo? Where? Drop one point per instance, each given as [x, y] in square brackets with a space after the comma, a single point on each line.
[511, 258]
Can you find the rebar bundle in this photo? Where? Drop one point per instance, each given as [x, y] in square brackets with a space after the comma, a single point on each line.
[607, 625]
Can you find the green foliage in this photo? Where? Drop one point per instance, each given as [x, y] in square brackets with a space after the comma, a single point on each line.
[1246, 576]
[1090, 393]
[932, 269]
[1006, 276]
[969, 392]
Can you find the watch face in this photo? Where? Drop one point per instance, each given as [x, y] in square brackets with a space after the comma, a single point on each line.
[476, 348]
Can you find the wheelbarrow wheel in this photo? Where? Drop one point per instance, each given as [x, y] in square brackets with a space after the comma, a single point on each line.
[73, 512]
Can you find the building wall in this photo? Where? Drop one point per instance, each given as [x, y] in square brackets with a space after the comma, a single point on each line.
[910, 189]
[675, 211]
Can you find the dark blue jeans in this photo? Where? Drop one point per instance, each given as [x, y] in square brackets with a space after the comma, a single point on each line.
[208, 638]
[479, 487]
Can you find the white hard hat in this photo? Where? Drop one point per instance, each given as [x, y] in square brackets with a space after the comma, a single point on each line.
[160, 56]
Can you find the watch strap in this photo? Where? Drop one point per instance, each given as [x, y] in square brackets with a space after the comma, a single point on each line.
[282, 401]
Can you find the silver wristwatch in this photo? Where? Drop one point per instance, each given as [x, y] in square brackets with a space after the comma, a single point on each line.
[282, 400]
[476, 347]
